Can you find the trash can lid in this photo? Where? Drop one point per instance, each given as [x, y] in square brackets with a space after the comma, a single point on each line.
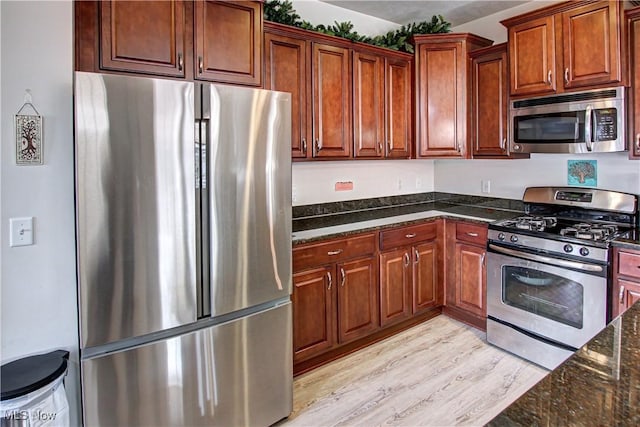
[28, 374]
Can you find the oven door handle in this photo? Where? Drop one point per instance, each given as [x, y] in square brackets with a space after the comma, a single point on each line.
[541, 258]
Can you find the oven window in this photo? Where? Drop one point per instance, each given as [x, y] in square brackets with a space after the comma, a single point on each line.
[550, 128]
[545, 294]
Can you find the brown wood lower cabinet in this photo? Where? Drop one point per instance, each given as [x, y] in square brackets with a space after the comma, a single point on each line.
[337, 301]
[409, 271]
[626, 280]
[465, 270]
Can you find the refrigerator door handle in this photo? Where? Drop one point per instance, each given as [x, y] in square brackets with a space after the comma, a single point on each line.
[204, 295]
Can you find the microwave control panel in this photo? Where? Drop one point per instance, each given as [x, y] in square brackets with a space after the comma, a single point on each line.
[605, 124]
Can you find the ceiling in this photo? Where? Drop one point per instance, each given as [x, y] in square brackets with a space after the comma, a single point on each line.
[403, 12]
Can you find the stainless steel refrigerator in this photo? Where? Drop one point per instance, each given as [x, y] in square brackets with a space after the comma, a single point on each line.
[183, 207]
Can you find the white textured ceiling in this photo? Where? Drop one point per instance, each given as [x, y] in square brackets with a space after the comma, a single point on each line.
[403, 12]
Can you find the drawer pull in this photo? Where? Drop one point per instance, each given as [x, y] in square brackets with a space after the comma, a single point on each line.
[410, 235]
[472, 234]
[621, 295]
[180, 62]
[417, 255]
[329, 279]
[304, 145]
[566, 76]
[406, 259]
[336, 252]
[638, 141]
[200, 64]
[343, 277]
[549, 78]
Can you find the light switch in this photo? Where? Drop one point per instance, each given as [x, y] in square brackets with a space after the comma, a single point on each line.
[20, 231]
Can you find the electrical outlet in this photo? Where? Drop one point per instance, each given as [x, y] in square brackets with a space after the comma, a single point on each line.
[486, 186]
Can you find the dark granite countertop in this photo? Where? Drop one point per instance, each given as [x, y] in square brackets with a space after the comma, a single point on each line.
[631, 242]
[598, 386]
[345, 224]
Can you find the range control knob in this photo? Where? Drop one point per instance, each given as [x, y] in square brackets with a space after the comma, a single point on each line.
[514, 238]
[568, 248]
[501, 236]
[584, 251]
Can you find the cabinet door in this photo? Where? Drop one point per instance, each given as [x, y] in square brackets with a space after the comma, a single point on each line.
[313, 312]
[143, 37]
[627, 293]
[532, 57]
[489, 104]
[395, 279]
[634, 150]
[471, 283]
[286, 71]
[357, 299]
[368, 105]
[398, 121]
[331, 101]
[441, 98]
[425, 277]
[228, 37]
[591, 45]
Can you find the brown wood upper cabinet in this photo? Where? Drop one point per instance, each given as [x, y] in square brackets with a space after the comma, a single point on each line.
[228, 41]
[143, 37]
[219, 41]
[489, 108]
[381, 106]
[441, 93]
[318, 76]
[633, 20]
[564, 47]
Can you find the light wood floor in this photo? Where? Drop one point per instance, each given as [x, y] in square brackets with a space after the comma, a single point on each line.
[439, 373]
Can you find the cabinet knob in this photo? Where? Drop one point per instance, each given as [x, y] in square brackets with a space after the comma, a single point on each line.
[200, 64]
[180, 62]
[621, 295]
[343, 277]
[566, 76]
[549, 78]
[329, 280]
[304, 145]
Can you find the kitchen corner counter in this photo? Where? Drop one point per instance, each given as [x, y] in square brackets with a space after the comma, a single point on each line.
[309, 229]
[598, 385]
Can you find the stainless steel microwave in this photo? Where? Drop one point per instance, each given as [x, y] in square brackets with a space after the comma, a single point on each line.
[582, 122]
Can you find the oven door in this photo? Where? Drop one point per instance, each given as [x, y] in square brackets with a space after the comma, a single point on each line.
[559, 303]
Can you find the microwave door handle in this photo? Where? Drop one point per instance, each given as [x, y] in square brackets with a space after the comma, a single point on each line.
[587, 128]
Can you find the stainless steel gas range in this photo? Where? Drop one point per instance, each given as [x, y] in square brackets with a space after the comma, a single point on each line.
[548, 272]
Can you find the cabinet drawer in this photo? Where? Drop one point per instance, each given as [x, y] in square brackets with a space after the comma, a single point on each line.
[333, 251]
[471, 233]
[629, 264]
[407, 235]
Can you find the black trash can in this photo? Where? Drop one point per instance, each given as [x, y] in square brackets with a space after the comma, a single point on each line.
[33, 391]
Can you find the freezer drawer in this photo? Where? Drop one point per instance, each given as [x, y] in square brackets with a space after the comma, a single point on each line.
[233, 374]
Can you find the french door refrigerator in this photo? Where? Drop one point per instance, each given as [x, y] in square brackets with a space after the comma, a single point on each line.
[183, 207]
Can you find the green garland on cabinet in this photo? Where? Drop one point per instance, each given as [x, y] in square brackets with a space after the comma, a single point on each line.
[282, 12]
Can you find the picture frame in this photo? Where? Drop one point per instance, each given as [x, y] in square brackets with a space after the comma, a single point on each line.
[29, 142]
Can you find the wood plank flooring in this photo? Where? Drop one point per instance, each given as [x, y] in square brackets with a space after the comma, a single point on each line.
[439, 373]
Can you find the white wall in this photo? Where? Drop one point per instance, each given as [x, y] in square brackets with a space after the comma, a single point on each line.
[490, 26]
[318, 13]
[509, 178]
[314, 182]
[38, 307]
